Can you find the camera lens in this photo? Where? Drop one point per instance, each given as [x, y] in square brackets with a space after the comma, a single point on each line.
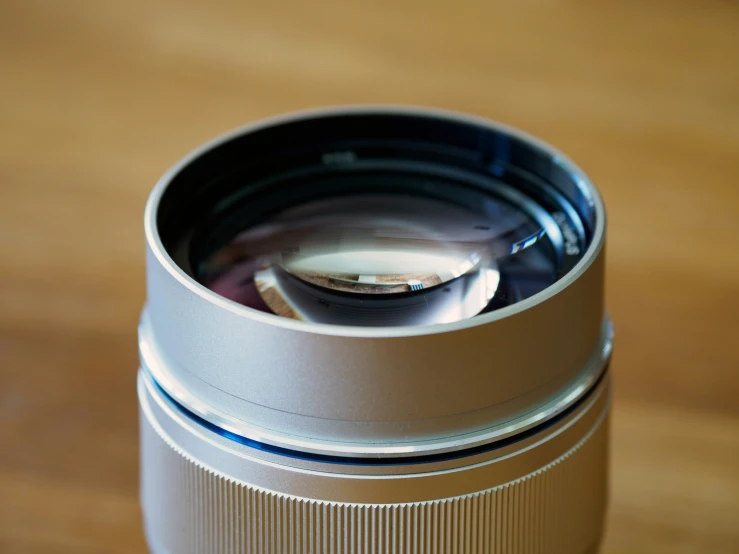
[374, 330]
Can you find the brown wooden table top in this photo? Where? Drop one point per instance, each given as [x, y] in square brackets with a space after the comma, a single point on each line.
[98, 98]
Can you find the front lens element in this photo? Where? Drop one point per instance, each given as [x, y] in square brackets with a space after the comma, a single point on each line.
[377, 220]
[385, 260]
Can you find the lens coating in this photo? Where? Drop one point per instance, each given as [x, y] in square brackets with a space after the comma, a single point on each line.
[385, 260]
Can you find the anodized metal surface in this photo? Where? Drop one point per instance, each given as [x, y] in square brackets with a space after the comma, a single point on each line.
[204, 493]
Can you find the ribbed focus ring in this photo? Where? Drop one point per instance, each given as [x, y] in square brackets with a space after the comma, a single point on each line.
[192, 509]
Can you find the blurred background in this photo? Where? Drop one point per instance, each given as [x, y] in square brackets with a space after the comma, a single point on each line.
[98, 98]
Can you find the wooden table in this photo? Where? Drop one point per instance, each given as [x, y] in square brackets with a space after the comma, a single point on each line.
[98, 98]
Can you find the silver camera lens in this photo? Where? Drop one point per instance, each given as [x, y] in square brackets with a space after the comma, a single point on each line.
[374, 330]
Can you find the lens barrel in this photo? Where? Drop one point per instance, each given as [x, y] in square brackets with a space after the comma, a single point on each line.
[374, 330]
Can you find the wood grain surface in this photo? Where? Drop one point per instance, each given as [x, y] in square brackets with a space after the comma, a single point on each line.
[98, 98]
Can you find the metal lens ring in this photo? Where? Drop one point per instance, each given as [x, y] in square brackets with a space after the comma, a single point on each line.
[376, 220]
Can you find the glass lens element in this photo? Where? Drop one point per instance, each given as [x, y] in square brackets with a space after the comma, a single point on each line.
[384, 260]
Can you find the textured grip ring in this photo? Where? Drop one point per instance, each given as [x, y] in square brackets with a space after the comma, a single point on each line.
[191, 508]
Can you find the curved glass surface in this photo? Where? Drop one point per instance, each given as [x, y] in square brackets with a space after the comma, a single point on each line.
[385, 260]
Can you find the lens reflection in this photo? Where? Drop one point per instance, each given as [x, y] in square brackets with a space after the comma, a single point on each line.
[384, 260]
